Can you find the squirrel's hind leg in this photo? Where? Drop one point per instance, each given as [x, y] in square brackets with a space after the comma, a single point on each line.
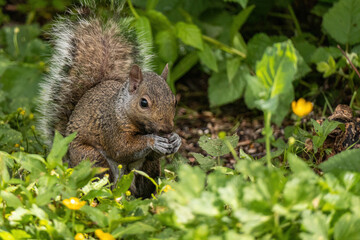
[143, 186]
[79, 151]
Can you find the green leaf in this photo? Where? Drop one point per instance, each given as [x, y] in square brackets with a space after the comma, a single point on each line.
[59, 149]
[190, 34]
[159, 21]
[95, 215]
[21, 82]
[9, 137]
[82, 174]
[347, 227]
[124, 184]
[217, 147]
[240, 19]
[271, 90]
[207, 57]
[219, 84]
[316, 225]
[168, 48]
[206, 163]
[322, 54]
[345, 161]
[19, 234]
[10, 199]
[256, 48]
[342, 21]
[232, 66]
[6, 236]
[297, 165]
[137, 228]
[183, 66]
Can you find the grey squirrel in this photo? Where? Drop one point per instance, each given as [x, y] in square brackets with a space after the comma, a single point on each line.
[100, 85]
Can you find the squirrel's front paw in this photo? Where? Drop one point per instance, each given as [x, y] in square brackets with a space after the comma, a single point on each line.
[168, 145]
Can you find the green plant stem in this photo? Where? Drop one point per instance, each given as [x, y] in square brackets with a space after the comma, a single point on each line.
[296, 22]
[16, 42]
[267, 119]
[73, 221]
[352, 99]
[223, 46]
[132, 9]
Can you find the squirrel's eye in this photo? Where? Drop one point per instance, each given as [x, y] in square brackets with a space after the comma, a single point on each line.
[144, 103]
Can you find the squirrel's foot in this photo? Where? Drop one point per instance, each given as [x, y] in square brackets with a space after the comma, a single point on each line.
[166, 146]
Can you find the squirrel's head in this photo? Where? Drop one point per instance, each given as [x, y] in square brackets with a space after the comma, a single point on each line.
[152, 104]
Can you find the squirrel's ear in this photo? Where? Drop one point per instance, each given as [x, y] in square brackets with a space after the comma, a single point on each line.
[165, 72]
[135, 77]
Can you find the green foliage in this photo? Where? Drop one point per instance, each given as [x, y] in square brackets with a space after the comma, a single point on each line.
[271, 90]
[346, 31]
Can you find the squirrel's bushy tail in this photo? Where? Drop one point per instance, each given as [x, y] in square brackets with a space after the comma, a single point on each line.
[88, 49]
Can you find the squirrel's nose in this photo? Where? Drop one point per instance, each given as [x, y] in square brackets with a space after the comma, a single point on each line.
[166, 128]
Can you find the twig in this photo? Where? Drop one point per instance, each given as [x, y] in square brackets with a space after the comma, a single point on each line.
[352, 65]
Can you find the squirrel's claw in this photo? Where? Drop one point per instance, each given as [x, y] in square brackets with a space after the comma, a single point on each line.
[166, 146]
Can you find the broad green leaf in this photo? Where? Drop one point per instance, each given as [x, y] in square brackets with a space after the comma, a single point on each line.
[9, 137]
[4, 64]
[240, 19]
[184, 65]
[217, 147]
[96, 215]
[322, 54]
[151, 4]
[21, 82]
[219, 84]
[10, 199]
[342, 21]
[345, 161]
[206, 163]
[158, 20]
[347, 227]
[190, 34]
[256, 47]
[297, 165]
[316, 225]
[232, 66]
[82, 174]
[6, 236]
[167, 44]
[5, 161]
[124, 184]
[137, 228]
[271, 90]
[59, 149]
[306, 49]
[19, 234]
[208, 58]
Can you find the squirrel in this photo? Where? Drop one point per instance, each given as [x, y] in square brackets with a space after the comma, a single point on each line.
[100, 85]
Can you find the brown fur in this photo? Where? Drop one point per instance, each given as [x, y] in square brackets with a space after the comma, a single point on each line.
[100, 54]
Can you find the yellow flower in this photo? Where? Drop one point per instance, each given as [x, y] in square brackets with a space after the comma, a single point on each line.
[127, 193]
[31, 117]
[167, 188]
[103, 236]
[301, 108]
[22, 112]
[17, 145]
[79, 236]
[16, 30]
[73, 203]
